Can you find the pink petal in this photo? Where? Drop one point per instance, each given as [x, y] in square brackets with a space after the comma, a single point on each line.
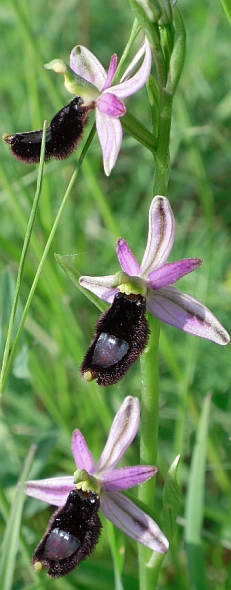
[123, 430]
[171, 272]
[133, 84]
[109, 131]
[81, 453]
[126, 259]
[124, 478]
[110, 105]
[186, 313]
[122, 512]
[111, 71]
[53, 490]
[161, 235]
[85, 64]
[100, 286]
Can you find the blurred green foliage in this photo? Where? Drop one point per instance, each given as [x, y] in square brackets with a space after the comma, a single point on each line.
[45, 398]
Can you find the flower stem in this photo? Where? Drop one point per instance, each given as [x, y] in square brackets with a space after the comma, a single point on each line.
[172, 46]
[149, 441]
[162, 158]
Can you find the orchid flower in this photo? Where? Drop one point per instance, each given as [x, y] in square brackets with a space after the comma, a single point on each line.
[107, 482]
[87, 77]
[153, 279]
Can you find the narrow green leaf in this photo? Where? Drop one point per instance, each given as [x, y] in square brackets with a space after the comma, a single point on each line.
[11, 537]
[117, 554]
[149, 439]
[178, 53]
[171, 500]
[138, 132]
[195, 502]
[7, 298]
[8, 356]
[66, 264]
[227, 8]
[133, 35]
[153, 95]
[72, 272]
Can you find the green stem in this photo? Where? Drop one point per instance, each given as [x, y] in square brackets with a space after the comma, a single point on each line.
[22, 261]
[8, 366]
[149, 440]
[167, 78]
[162, 158]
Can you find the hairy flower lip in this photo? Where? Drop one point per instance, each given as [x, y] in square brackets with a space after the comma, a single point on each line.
[119, 509]
[71, 535]
[163, 300]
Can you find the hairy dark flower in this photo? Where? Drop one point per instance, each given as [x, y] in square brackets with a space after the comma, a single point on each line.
[71, 535]
[153, 279]
[62, 135]
[121, 334]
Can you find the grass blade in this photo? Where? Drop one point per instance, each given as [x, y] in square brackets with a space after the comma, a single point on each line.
[195, 503]
[10, 542]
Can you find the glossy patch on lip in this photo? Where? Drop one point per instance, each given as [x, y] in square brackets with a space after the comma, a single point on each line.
[60, 545]
[109, 350]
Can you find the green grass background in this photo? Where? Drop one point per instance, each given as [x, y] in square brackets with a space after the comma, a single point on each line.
[45, 399]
